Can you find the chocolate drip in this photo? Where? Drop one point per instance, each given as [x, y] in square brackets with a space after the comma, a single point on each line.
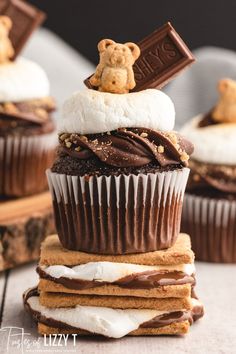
[129, 147]
[153, 279]
[145, 280]
[168, 318]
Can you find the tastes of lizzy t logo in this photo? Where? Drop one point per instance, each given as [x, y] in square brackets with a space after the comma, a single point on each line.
[17, 340]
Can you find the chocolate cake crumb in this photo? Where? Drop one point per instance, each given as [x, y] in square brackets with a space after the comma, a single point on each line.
[73, 166]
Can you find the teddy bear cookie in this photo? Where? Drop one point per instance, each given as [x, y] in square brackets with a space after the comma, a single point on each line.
[225, 110]
[114, 72]
[6, 48]
[209, 208]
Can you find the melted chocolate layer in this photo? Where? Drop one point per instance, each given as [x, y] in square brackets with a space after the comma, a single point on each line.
[129, 147]
[145, 280]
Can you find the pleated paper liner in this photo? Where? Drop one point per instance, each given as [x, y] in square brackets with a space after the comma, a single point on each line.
[23, 162]
[118, 214]
[211, 224]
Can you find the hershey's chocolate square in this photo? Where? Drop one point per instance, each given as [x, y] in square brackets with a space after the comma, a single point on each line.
[163, 56]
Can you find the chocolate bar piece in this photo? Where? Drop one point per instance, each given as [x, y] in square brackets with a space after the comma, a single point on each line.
[25, 18]
[163, 56]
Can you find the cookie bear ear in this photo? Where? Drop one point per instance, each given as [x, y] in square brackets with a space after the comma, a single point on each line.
[134, 49]
[104, 44]
[223, 84]
[6, 21]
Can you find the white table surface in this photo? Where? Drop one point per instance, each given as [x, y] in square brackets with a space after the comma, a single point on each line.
[215, 333]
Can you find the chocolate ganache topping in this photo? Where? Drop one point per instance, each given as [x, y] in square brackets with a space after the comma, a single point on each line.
[129, 147]
[28, 117]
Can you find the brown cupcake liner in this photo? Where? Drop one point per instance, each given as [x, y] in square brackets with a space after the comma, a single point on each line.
[211, 225]
[118, 214]
[23, 162]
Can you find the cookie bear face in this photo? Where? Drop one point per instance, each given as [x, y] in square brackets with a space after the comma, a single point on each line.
[116, 54]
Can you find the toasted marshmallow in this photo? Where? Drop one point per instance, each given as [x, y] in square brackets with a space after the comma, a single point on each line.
[90, 112]
[114, 323]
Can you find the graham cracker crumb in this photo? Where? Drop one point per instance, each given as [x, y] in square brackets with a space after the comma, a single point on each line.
[184, 157]
[10, 108]
[63, 136]
[160, 149]
[68, 144]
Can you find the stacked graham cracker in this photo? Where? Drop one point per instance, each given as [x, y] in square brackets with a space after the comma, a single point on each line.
[115, 295]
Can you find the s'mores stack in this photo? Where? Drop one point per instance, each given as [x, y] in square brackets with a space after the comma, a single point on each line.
[118, 265]
[115, 295]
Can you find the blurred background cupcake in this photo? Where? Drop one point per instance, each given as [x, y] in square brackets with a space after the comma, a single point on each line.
[27, 137]
[209, 212]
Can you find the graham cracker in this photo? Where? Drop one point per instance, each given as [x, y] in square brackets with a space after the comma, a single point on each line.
[176, 328]
[166, 291]
[59, 300]
[52, 253]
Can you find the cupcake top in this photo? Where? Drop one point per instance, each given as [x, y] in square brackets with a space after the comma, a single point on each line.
[25, 104]
[110, 129]
[214, 138]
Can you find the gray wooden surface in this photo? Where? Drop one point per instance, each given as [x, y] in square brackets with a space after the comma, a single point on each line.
[215, 333]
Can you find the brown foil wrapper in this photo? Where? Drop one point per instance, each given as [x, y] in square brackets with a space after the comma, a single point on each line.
[118, 214]
[23, 162]
[211, 224]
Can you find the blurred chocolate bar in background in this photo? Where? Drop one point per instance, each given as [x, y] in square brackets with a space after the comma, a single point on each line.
[25, 18]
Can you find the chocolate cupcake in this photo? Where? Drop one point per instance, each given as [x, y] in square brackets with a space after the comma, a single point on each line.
[119, 178]
[209, 212]
[27, 131]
